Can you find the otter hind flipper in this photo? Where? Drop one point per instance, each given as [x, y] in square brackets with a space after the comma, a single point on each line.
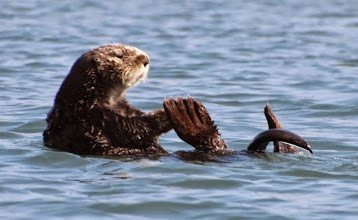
[271, 118]
[273, 123]
[260, 142]
[193, 124]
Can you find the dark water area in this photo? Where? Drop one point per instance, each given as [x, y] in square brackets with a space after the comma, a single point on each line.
[234, 56]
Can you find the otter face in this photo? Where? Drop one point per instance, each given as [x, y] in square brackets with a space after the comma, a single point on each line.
[121, 65]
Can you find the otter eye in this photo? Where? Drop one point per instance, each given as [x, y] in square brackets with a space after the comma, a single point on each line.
[118, 54]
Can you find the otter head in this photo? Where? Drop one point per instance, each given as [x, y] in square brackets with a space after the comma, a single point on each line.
[120, 65]
[103, 74]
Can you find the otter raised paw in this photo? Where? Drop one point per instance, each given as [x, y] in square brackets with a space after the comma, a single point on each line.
[193, 124]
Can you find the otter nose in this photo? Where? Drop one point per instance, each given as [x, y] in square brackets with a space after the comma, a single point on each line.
[143, 59]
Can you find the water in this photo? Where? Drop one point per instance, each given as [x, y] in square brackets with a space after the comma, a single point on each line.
[234, 56]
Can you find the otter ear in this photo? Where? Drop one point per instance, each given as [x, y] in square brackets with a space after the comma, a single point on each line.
[95, 58]
[98, 61]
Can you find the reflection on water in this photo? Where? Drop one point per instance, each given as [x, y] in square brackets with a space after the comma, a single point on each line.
[234, 56]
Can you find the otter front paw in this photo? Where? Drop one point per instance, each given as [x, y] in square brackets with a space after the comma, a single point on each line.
[193, 124]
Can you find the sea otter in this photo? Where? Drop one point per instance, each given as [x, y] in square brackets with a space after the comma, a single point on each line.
[91, 115]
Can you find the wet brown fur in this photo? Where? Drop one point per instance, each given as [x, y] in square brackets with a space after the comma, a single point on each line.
[91, 115]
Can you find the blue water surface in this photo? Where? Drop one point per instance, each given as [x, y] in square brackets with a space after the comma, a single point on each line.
[234, 56]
